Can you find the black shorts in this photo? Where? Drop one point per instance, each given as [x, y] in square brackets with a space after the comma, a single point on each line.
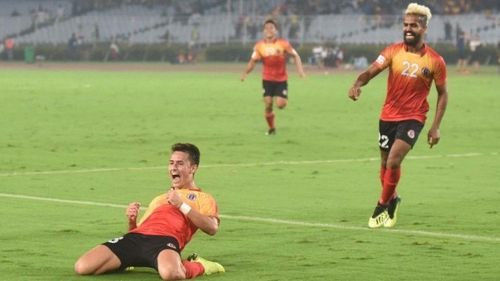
[275, 89]
[406, 130]
[135, 249]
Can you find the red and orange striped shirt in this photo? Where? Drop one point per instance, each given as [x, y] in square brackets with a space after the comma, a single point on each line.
[164, 219]
[274, 58]
[409, 82]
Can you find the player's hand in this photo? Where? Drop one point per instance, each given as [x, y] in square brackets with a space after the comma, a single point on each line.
[433, 137]
[302, 74]
[132, 211]
[173, 198]
[354, 93]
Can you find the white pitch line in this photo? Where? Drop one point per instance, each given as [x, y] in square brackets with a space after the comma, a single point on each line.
[281, 221]
[274, 163]
[18, 196]
[346, 227]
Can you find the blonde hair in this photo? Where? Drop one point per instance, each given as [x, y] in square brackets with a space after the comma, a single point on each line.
[420, 10]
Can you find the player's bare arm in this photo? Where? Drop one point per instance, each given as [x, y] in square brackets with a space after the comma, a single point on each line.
[363, 79]
[298, 63]
[248, 69]
[207, 224]
[433, 135]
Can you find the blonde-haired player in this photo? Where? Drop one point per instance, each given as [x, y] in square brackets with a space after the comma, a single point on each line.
[419, 10]
[413, 66]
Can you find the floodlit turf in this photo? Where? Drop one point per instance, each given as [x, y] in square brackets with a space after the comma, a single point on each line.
[294, 206]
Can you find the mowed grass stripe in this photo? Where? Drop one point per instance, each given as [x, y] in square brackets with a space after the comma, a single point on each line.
[273, 163]
[280, 221]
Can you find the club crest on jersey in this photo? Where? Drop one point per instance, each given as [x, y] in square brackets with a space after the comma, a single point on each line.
[411, 134]
[191, 196]
[380, 59]
[426, 72]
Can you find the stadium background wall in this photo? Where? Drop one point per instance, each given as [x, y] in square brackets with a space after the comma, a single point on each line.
[216, 53]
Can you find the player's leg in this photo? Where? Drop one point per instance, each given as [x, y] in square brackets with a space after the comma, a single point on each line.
[170, 265]
[389, 195]
[281, 94]
[388, 202]
[387, 134]
[407, 133]
[393, 170]
[281, 103]
[380, 214]
[383, 164]
[406, 137]
[97, 261]
[268, 104]
[393, 206]
[268, 89]
[269, 114]
[209, 267]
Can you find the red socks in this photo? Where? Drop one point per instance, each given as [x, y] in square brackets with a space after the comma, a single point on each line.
[390, 181]
[193, 269]
[382, 173]
[270, 119]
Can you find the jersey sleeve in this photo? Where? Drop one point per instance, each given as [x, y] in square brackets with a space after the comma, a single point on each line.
[256, 52]
[384, 59]
[208, 206]
[440, 72]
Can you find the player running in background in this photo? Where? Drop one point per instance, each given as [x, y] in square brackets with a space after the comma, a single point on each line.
[273, 53]
[169, 223]
[413, 65]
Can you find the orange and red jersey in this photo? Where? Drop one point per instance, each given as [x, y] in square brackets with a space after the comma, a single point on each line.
[410, 80]
[164, 219]
[274, 56]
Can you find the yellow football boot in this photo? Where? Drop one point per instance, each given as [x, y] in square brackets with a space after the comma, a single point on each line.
[209, 266]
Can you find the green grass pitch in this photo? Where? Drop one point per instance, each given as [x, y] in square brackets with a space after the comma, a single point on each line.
[77, 146]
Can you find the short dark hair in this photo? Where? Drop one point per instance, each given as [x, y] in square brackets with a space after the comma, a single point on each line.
[273, 22]
[190, 149]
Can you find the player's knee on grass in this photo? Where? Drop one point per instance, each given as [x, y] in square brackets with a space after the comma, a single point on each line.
[171, 273]
[82, 268]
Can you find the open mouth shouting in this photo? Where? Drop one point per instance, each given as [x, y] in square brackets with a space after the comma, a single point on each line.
[180, 170]
[176, 179]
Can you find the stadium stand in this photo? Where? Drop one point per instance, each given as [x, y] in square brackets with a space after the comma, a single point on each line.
[204, 22]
